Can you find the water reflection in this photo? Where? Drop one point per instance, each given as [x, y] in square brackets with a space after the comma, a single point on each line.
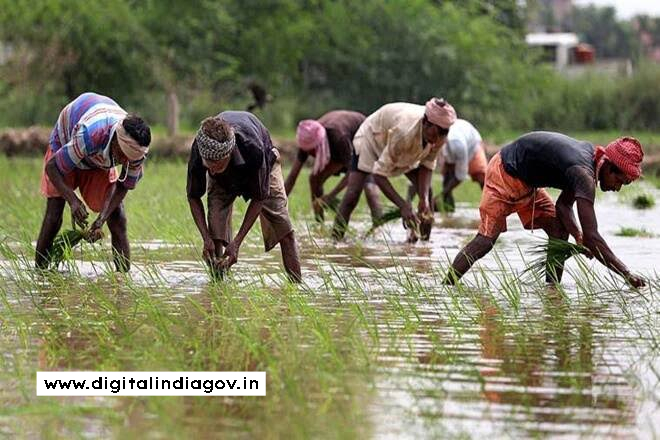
[447, 362]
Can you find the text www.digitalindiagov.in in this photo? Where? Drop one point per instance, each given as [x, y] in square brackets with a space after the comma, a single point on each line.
[157, 383]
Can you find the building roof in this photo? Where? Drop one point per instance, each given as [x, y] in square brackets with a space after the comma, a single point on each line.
[552, 39]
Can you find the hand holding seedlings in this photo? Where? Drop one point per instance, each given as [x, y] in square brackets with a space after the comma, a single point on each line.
[635, 280]
[94, 235]
[95, 232]
[230, 257]
[208, 252]
[409, 217]
[79, 212]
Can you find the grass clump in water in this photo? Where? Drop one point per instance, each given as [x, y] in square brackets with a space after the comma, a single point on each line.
[625, 231]
[643, 201]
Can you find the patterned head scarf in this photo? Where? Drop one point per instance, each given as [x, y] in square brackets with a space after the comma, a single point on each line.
[213, 149]
[626, 153]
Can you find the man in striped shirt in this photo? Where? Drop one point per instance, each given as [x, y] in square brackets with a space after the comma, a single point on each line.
[92, 135]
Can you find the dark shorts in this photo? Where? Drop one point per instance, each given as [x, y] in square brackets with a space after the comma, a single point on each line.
[355, 158]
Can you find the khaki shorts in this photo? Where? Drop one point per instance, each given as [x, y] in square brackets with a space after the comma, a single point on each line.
[274, 217]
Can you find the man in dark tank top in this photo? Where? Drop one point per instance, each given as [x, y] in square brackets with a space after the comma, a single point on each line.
[515, 182]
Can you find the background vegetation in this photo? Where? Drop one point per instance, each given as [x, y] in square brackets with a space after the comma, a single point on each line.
[192, 59]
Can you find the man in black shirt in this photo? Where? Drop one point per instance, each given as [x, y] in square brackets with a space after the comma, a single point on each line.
[515, 179]
[235, 151]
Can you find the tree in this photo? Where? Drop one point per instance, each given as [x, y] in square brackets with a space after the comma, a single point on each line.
[599, 27]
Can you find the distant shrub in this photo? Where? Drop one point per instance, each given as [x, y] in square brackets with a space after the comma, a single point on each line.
[643, 201]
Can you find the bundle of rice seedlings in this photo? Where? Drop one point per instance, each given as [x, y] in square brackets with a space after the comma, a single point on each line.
[332, 205]
[425, 226]
[445, 206]
[643, 201]
[216, 271]
[394, 213]
[64, 241]
[551, 253]
[388, 216]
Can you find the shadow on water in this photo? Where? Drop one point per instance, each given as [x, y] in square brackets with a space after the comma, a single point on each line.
[499, 355]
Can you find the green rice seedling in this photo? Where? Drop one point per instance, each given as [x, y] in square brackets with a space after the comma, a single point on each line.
[445, 206]
[643, 201]
[422, 230]
[551, 253]
[388, 216]
[625, 231]
[63, 243]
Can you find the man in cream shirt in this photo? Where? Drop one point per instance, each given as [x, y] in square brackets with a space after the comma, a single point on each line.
[399, 138]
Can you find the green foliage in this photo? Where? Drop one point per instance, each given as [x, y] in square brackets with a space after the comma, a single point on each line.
[391, 214]
[643, 201]
[634, 232]
[599, 27]
[310, 56]
[76, 45]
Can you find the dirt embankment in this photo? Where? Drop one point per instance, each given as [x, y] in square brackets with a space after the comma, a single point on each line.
[32, 141]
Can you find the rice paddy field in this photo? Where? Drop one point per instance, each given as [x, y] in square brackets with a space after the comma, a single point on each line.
[371, 345]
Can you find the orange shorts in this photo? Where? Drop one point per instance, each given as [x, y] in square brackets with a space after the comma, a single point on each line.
[92, 184]
[504, 194]
[478, 163]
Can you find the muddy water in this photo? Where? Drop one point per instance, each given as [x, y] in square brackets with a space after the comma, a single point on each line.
[478, 363]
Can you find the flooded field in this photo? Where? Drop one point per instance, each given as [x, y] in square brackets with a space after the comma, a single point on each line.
[372, 345]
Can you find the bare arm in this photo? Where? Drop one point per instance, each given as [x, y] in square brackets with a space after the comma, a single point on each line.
[231, 251]
[564, 209]
[251, 215]
[343, 183]
[316, 181]
[597, 245]
[409, 217]
[423, 189]
[293, 175]
[389, 191]
[199, 216]
[449, 180]
[77, 207]
[112, 202]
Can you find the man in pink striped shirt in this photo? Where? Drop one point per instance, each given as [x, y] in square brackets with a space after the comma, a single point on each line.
[93, 134]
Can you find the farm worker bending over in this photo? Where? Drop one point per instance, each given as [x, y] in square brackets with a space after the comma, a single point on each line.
[92, 135]
[235, 150]
[515, 179]
[463, 155]
[330, 141]
[399, 138]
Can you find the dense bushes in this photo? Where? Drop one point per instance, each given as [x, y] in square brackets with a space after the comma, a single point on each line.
[598, 102]
[311, 55]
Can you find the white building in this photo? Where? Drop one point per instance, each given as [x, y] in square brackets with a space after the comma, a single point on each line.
[557, 47]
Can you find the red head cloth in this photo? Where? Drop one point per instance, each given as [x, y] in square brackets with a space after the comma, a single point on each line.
[312, 138]
[440, 112]
[626, 153]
